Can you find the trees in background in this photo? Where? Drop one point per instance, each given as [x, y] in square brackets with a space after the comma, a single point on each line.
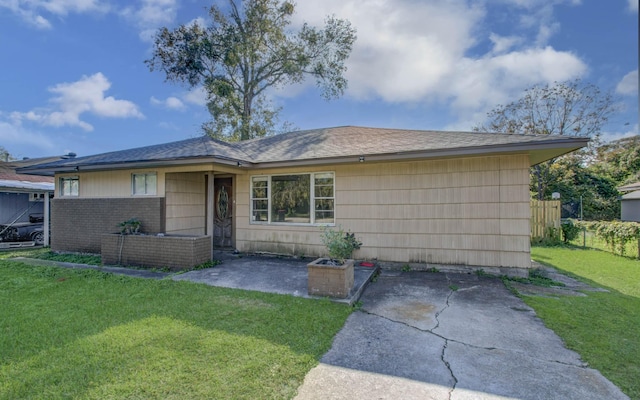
[619, 160]
[582, 186]
[594, 180]
[572, 108]
[246, 50]
[592, 175]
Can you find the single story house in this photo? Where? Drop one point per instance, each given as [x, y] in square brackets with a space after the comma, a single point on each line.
[630, 202]
[410, 196]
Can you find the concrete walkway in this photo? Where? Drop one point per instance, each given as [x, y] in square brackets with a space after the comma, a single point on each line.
[259, 273]
[449, 336]
[269, 274]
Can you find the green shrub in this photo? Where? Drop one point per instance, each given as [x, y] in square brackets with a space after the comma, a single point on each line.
[570, 230]
[130, 226]
[340, 245]
[616, 234]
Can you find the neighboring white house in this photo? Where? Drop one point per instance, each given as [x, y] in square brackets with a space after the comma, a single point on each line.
[25, 198]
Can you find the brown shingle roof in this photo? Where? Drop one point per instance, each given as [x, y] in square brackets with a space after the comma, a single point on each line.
[355, 141]
[325, 145]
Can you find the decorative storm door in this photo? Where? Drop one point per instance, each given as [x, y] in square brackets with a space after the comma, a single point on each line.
[223, 213]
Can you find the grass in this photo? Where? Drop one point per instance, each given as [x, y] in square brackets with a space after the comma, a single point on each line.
[86, 334]
[46, 254]
[602, 327]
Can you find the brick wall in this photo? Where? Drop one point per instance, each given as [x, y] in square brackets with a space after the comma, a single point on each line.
[328, 280]
[175, 252]
[78, 224]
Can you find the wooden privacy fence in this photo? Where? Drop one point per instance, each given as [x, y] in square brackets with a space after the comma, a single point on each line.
[545, 214]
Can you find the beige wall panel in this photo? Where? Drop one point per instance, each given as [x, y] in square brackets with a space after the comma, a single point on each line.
[180, 211]
[514, 177]
[193, 224]
[457, 212]
[439, 211]
[519, 260]
[108, 184]
[117, 184]
[515, 194]
[363, 225]
[185, 203]
[513, 243]
[241, 211]
[521, 210]
[516, 161]
[429, 226]
[514, 226]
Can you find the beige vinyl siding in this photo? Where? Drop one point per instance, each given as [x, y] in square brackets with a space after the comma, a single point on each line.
[117, 183]
[110, 184]
[185, 203]
[468, 211]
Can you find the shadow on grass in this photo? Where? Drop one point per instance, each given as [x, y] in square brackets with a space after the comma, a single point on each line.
[158, 357]
[63, 328]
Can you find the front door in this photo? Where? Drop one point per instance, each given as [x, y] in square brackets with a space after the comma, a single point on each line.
[223, 212]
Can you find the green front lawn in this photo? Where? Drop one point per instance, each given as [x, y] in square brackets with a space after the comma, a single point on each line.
[85, 334]
[604, 328]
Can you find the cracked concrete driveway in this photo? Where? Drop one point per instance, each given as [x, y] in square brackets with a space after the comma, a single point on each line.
[425, 335]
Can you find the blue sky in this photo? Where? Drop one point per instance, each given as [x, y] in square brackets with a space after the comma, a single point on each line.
[73, 76]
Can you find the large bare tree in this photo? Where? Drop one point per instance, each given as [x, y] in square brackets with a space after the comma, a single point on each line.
[573, 108]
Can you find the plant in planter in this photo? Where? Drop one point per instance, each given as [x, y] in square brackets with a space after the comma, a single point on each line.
[333, 276]
[340, 245]
[130, 226]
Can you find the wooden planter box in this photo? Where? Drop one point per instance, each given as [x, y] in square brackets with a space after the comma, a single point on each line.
[330, 280]
[174, 252]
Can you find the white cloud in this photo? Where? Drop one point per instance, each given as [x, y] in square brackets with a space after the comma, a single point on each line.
[481, 84]
[425, 52]
[32, 11]
[633, 5]
[86, 95]
[151, 15]
[609, 136]
[197, 96]
[15, 136]
[628, 84]
[64, 7]
[403, 48]
[171, 102]
[502, 44]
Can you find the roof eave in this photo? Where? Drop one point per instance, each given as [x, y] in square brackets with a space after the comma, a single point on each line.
[79, 167]
[538, 152]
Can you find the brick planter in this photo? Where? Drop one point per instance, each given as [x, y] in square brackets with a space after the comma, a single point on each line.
[330, 280]
[174, 252]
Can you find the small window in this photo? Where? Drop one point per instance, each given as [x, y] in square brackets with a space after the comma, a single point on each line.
[323, 198]
[260, 198]
[144, 184]
[69, 186]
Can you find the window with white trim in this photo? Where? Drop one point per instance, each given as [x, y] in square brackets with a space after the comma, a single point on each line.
[144, 184]
[293, 198]
[69, 186]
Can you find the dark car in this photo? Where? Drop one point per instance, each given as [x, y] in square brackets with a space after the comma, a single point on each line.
[22, 232]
